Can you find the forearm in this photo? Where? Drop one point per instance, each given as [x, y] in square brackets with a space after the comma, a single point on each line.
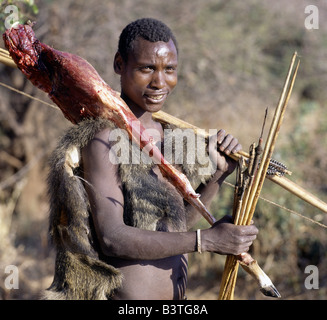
[207, 191]
[224, 165]
[132, 243]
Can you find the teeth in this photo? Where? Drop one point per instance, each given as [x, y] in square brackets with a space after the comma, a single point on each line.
[156, 97]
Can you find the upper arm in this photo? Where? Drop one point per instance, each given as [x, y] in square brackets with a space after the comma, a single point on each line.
[103, 187]
[107, 201]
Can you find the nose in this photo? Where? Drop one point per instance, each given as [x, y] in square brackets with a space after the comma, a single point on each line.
[158, 80]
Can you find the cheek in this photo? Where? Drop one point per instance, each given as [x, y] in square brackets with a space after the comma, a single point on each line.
[172, 81]
[131, 84]
[139, 82]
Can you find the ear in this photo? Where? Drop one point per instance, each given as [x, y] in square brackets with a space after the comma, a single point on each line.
[118, 63]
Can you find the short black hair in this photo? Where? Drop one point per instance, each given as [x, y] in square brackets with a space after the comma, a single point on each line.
[149, 29]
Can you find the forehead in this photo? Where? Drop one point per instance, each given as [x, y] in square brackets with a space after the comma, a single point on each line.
[152, 51]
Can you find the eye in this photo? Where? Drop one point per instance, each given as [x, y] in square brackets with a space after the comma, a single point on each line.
[146, 69]
[170, 69]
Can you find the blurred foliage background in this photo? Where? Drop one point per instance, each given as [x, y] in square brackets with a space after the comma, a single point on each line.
[233, 60]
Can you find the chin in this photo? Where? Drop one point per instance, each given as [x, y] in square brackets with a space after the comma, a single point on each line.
[154, 107]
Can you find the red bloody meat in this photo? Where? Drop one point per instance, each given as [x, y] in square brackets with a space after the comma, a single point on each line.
[79, 91]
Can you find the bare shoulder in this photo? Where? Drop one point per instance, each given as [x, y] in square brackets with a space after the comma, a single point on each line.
[99, 141]
[99, 147]
[97, 156]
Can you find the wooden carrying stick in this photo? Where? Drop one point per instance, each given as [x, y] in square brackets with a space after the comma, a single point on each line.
[164, 117]
[6, 59]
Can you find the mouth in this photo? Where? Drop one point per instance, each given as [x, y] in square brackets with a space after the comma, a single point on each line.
[155, 98]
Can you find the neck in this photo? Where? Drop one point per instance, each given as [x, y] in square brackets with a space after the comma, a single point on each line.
[143, 116]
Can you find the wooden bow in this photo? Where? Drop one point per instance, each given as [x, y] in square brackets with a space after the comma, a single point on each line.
[245, 204]
[245, 201]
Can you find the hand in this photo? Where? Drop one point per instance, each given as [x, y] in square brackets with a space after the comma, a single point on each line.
[226, 238]
[227, 144]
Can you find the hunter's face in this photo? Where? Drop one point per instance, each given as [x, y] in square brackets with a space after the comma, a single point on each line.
[149, 75]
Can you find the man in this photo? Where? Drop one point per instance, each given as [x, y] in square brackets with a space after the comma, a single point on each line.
[128, 237]
[153, 263]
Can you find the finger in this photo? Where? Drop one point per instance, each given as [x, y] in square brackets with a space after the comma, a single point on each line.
[248, 231]
[246, 246]
[233, 144]
[221, 135]
[237, 148]
[241, 250]
[230, 145]
[226, 143]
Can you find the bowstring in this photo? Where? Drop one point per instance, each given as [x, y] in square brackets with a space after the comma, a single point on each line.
[286, 209]
[28, 95]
